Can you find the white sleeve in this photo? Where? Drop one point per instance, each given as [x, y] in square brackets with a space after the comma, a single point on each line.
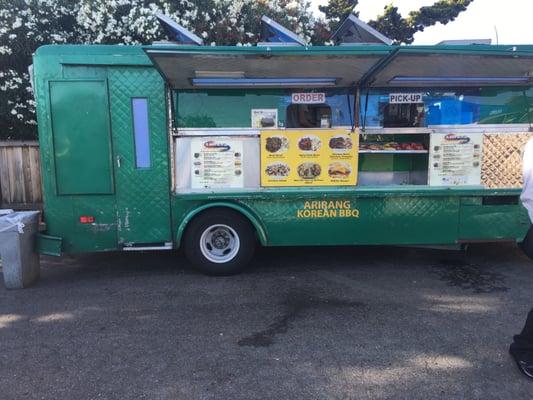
[527, 174]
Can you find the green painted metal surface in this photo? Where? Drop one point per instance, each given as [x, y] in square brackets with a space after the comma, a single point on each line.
[405, 215]
[90, 55]
[209, 109]
[142, 194]
[492, 222]
[392, 162]
[80, 130]
[367, 215]
[185, 218]
[49, 245]
[388, 220]
[100, 235]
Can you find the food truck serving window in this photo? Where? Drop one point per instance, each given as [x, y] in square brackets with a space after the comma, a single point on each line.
[308, 116]
[462, 106]
[236, 108]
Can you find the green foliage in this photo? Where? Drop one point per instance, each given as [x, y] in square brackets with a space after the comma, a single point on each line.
[337, 10]
[402, 30]
[393, 25]
[442, 11]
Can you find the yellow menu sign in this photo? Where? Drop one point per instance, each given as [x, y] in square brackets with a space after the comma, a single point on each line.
[309, 157]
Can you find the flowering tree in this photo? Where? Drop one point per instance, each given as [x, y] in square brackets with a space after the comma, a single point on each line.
[27, 24]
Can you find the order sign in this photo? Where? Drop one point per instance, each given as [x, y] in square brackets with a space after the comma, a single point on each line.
[308, 98]
[309, 157]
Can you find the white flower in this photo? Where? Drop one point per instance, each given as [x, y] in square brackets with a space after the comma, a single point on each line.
[17, 23]
[292, 5]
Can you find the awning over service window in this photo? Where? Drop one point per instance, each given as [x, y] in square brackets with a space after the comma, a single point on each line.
[186, 67]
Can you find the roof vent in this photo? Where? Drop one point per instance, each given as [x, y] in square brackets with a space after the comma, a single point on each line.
[177, 33]
[354, 31]
[274, 34]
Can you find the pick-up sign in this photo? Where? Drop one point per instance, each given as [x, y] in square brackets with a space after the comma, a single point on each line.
[405, 98]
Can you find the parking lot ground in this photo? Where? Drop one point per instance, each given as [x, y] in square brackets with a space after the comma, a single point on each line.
[301, 323]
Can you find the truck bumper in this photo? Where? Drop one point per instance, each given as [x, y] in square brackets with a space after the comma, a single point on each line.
[49, 245]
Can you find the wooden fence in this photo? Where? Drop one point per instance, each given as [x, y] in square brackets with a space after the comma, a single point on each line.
[20, 175]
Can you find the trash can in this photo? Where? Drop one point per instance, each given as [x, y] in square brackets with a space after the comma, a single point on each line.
[18, 248]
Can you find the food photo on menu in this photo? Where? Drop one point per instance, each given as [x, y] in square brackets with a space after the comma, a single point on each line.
[309, 170]
[277, 170]
[277, 144]
[340, 142]
[309, 143]
[339, 170]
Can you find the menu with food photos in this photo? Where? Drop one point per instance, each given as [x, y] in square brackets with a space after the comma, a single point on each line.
[309, 157]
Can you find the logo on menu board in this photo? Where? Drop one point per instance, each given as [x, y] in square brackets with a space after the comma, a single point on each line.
[211, 145]
[454, 138]
[308, 98]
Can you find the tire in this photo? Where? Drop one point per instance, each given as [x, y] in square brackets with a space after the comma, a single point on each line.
[219, 242]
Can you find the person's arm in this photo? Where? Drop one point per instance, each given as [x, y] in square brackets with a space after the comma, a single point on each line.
[527, 174]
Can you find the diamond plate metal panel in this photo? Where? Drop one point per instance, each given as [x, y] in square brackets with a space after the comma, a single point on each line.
[493, 222]
[502, 159]
[380, 220]
[142, 194]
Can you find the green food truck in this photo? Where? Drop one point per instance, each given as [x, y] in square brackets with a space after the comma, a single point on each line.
[215, 149]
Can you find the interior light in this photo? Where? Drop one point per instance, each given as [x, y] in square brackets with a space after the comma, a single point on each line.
[263, 82]
[459, 79]
[219, 74]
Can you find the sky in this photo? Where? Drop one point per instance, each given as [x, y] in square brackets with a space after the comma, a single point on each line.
[512, 19]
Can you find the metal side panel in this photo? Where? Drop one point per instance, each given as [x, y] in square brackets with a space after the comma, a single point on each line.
[142, 194]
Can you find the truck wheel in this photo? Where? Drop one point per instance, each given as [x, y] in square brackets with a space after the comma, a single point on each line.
[219, 242]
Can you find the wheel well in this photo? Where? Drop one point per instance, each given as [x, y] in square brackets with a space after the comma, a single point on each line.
[247, 214]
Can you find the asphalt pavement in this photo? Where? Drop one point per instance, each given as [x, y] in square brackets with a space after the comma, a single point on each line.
[301, 323]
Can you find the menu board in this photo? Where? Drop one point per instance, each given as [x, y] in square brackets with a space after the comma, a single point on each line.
[309, 157]
[216, 163]
[455, 159]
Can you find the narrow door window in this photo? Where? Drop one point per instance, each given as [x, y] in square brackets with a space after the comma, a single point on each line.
[141, 132]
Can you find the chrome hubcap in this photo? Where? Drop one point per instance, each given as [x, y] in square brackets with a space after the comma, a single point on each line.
[219, 243]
